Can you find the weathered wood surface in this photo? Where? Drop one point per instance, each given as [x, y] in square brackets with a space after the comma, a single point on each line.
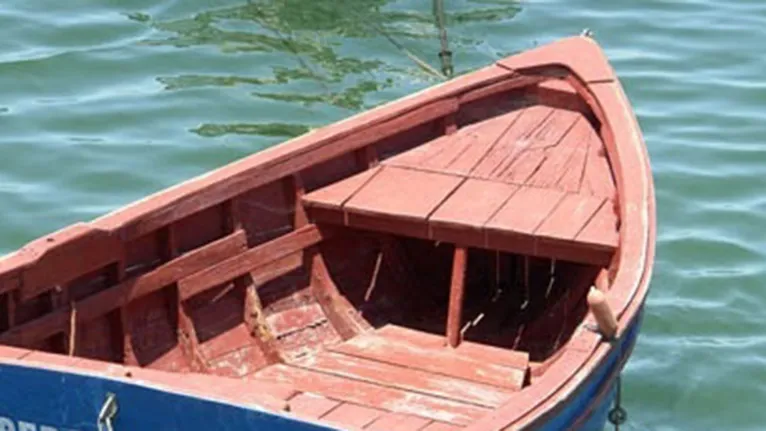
[117, 296]
[368, 394]
[256, 260]
[478, 352]
[494, 184]
[445, 362]
[405, 378]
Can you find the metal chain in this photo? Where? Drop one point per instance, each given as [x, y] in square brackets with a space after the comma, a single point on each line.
[618, 415]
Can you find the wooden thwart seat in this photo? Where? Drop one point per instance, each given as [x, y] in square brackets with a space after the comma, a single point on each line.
[472, 212]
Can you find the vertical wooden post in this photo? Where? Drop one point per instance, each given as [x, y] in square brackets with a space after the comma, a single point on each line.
[294, 191]
[10, 308]
[253, 316]
[121, 318]
[450, 124]
[367, 157]
[187, 335]
[59, 297]
[457, 291]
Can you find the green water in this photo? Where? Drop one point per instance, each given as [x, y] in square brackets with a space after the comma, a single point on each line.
[102, 103]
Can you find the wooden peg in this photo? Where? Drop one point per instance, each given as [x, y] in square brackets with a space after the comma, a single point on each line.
[607, 324]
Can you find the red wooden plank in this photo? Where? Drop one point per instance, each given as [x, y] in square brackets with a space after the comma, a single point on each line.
[272, 396]
[250, 260]
[401, 377]
[65, 255]
[403, 193]
[469, 145]
[46, 358]
[602, 230]
[442, 361]
[457, 292]
[573, 145]
[416, 157]
[336, 194]
[397, 422]
[9, 352]
[343, 316]
[110, 299]
[440, 426]
[479, 352]
[311, 406]
[295, 319]
[357, 392]
[569, 217]
[535, 148]
[478, 141]
[473, 203]
[598, 179]
[512, 142]
[525, 210]
[352, 415]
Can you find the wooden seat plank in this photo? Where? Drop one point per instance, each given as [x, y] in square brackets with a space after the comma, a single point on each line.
[479, 140]
[485, 198]
[569, 217]
[572, 148]
[340, 192]
[368, 394]
[440, 361]
[601, 231]
[526, 210]
[480, 352]
[311, 406]
[352, 415]
[401, 377]
[397, 422]
[507, 148]
[403, 193]
[536, 147]
[459, 152]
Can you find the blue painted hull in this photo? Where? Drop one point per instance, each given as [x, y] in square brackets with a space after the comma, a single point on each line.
[48, 400]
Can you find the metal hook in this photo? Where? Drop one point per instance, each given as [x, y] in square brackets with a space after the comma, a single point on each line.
[107, 413]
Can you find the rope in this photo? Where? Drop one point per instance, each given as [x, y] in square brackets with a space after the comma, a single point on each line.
[445, 55]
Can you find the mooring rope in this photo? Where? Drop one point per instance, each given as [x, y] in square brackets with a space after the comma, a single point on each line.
[445, 55]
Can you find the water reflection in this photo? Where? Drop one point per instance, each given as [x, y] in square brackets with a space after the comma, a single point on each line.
[337, 52]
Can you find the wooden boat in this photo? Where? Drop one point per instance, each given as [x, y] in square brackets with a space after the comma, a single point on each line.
[421, 266]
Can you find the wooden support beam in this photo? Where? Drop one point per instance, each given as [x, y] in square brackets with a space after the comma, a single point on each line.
[294, 191]
[187, 334]
[253, 260]
[367, 157]
[449, 123]
[58, 298]
[339, 311]
[11, 299]
[253, 315]
[457, 291]
[120, 318]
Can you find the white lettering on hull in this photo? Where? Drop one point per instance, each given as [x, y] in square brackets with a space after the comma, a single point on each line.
[8, 424]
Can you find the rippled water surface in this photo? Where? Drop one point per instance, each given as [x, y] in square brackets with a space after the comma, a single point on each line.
[103, 104]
